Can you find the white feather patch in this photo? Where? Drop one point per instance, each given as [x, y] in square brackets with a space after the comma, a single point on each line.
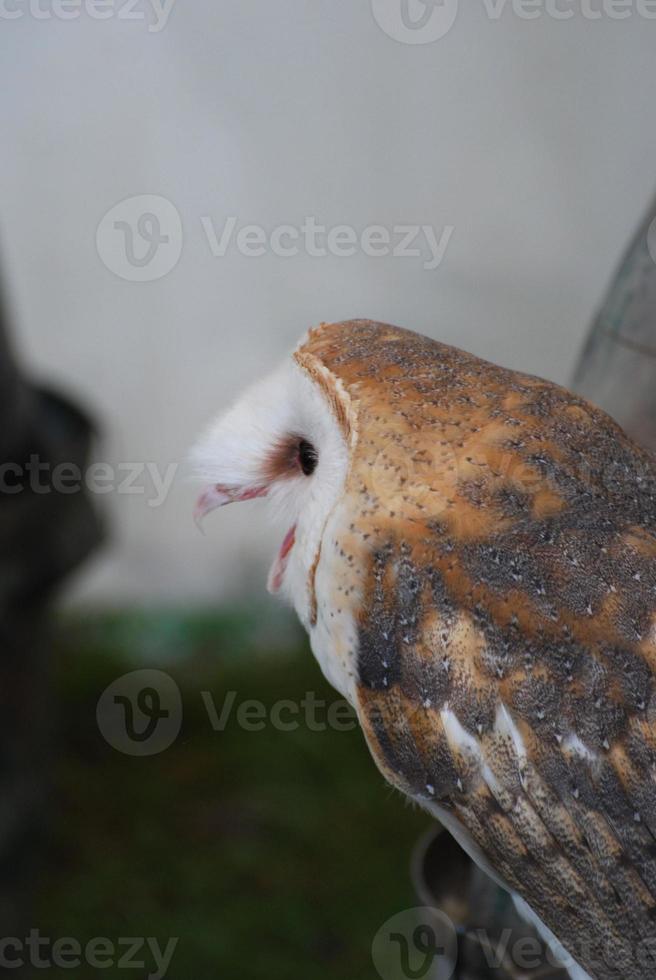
[460, 739]
[235, 448]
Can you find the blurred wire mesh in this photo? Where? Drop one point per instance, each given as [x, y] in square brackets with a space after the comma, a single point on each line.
[617, 369]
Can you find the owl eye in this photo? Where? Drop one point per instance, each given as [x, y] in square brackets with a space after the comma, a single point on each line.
[307, 457]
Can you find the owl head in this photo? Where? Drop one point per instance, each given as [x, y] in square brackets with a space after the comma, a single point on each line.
[288, 440]
[352, 442]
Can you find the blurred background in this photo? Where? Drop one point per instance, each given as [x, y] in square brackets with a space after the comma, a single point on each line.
[184, 189]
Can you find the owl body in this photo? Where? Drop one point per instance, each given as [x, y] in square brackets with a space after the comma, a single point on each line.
[476, 573]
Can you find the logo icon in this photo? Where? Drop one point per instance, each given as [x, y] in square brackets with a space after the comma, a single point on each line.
[140, 713]
[140, 239]
[418, 944]
[415, 21]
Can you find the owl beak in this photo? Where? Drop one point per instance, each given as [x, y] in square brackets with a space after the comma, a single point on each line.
[219, 496]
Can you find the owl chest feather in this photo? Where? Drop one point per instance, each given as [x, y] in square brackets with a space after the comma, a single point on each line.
[338, 594]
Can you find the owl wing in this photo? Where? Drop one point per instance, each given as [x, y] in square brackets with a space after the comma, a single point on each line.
[509, 687]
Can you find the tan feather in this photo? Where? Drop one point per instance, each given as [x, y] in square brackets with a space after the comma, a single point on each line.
[501, 537]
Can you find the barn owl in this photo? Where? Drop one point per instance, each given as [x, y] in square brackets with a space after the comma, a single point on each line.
[471, 551]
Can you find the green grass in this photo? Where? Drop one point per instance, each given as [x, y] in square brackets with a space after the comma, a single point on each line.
[269, 854]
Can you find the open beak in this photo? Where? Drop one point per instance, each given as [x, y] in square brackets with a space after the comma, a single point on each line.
[219, 496]
[279, 567]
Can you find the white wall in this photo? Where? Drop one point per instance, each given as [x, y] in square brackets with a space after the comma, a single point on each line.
[535, 139]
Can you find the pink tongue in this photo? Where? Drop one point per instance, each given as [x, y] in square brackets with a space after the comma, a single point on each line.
[280, 564]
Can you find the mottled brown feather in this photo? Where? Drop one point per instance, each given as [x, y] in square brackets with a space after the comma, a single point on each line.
[502, 538]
